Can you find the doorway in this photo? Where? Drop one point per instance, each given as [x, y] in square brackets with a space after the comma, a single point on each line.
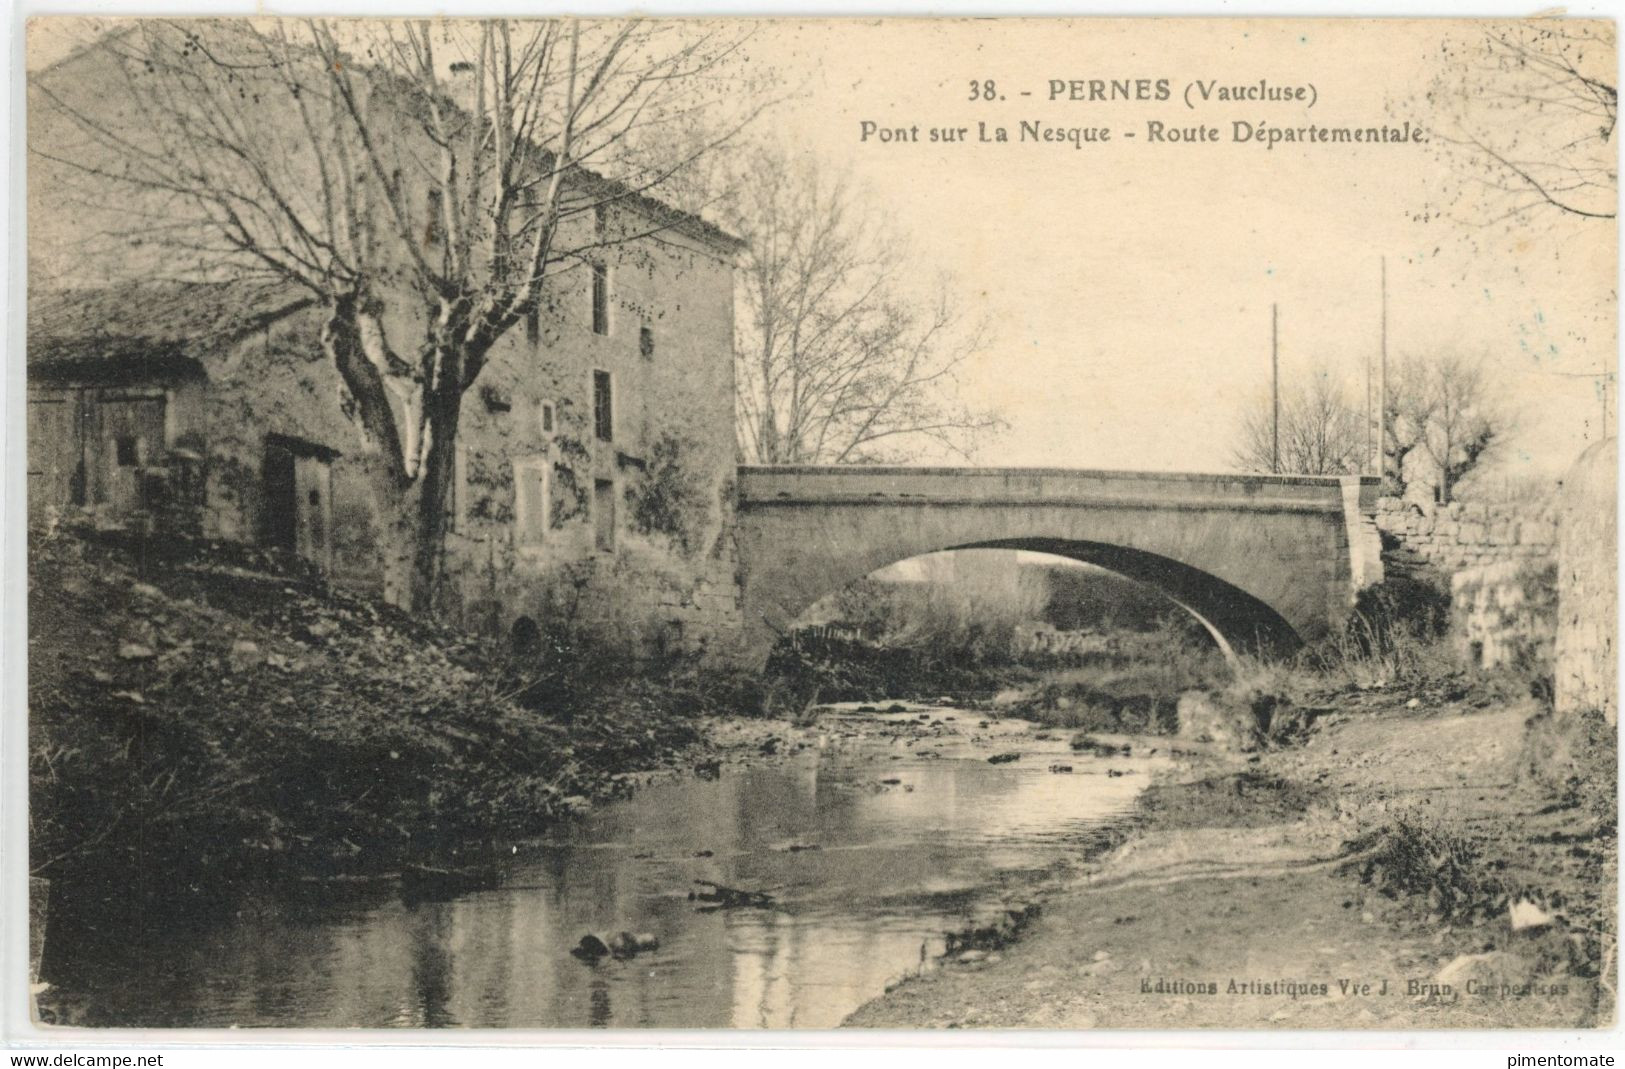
[297, 514]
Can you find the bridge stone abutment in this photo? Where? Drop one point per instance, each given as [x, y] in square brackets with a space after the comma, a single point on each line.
[1269, 562]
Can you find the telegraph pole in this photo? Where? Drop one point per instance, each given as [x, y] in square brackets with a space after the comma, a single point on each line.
[1382, 384]
[1275, 392]
[1365, 466]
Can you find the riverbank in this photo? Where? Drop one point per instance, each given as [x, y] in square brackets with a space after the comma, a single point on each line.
[1131, 686]
[209, 715]
[1366, 879]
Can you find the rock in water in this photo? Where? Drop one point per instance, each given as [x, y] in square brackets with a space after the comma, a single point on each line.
[591, 948]
[1205, 719]
[244, 654]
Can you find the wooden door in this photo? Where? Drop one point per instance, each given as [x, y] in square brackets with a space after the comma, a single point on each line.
[55, 454]
[279, 512]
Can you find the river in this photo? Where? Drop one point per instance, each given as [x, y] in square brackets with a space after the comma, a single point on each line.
[875, 836]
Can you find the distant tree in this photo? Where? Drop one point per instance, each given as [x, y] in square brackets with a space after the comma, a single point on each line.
[1321, 432]
[1525, 112]
[971, 602]
[1087, 596]
[842, 355]
[1441, 422]
[440, 174]
[981, 609]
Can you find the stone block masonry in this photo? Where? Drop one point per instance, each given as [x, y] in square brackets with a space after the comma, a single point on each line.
[1497, 560]
[1505, 614]
[1443, 540]
[1588, 586]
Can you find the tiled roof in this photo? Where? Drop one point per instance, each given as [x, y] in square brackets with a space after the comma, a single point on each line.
[151, 321]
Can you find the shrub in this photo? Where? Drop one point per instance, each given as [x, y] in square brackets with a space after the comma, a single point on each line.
[1397, 612]
[978, 613]
[854, 671]
[1574, 757]
[670, 497]
[1410, 858]
[1138, 693]
[1270, 693]
[1397, 634]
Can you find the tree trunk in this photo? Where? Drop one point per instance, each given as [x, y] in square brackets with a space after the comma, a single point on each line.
[435, 483]
[445, 353]
[341, 337]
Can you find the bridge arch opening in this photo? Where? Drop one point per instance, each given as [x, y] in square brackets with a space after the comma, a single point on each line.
[1068, 642]
[1237, 621]
[1234, 621]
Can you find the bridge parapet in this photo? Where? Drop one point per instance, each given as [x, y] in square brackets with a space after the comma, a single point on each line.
[765, 485]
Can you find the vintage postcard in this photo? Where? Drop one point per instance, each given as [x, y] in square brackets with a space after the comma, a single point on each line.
[792, 523]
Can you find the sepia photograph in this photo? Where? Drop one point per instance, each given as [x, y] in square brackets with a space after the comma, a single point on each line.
[656, 523]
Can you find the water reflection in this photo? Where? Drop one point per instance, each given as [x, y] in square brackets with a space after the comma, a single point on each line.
[895, 864]
[431, 969]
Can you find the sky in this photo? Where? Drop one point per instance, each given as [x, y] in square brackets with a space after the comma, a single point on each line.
[1128, 286]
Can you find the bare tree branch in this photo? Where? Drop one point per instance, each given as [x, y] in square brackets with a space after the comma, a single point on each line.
[839, 360]
[1525, 114]
[1321, 431]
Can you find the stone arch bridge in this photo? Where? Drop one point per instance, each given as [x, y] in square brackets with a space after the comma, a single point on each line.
[1266, 562]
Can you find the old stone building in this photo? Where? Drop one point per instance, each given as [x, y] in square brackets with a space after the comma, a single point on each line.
[595, 456]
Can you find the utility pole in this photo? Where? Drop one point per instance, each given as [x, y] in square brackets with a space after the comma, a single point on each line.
[1382, 385]
[1365, 465]
[1275, 392]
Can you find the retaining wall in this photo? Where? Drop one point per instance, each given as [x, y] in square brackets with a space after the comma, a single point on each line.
[1588, 586]
[1497, 560]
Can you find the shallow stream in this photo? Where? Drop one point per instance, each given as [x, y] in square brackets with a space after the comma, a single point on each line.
[874, 838]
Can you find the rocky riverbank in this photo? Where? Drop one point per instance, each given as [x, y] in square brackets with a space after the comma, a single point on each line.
[1400, 869]
[208, 715]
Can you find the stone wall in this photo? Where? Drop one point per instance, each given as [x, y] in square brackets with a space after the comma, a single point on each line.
[1364, 538]
[1497, 561]
[1505, 613]
[1446, 539]
[1588, 585]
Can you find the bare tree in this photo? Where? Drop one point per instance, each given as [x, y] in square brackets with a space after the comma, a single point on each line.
[838, 361]
[1441, 418]
[1525, 114]
[1321, 433]
[438, 174]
